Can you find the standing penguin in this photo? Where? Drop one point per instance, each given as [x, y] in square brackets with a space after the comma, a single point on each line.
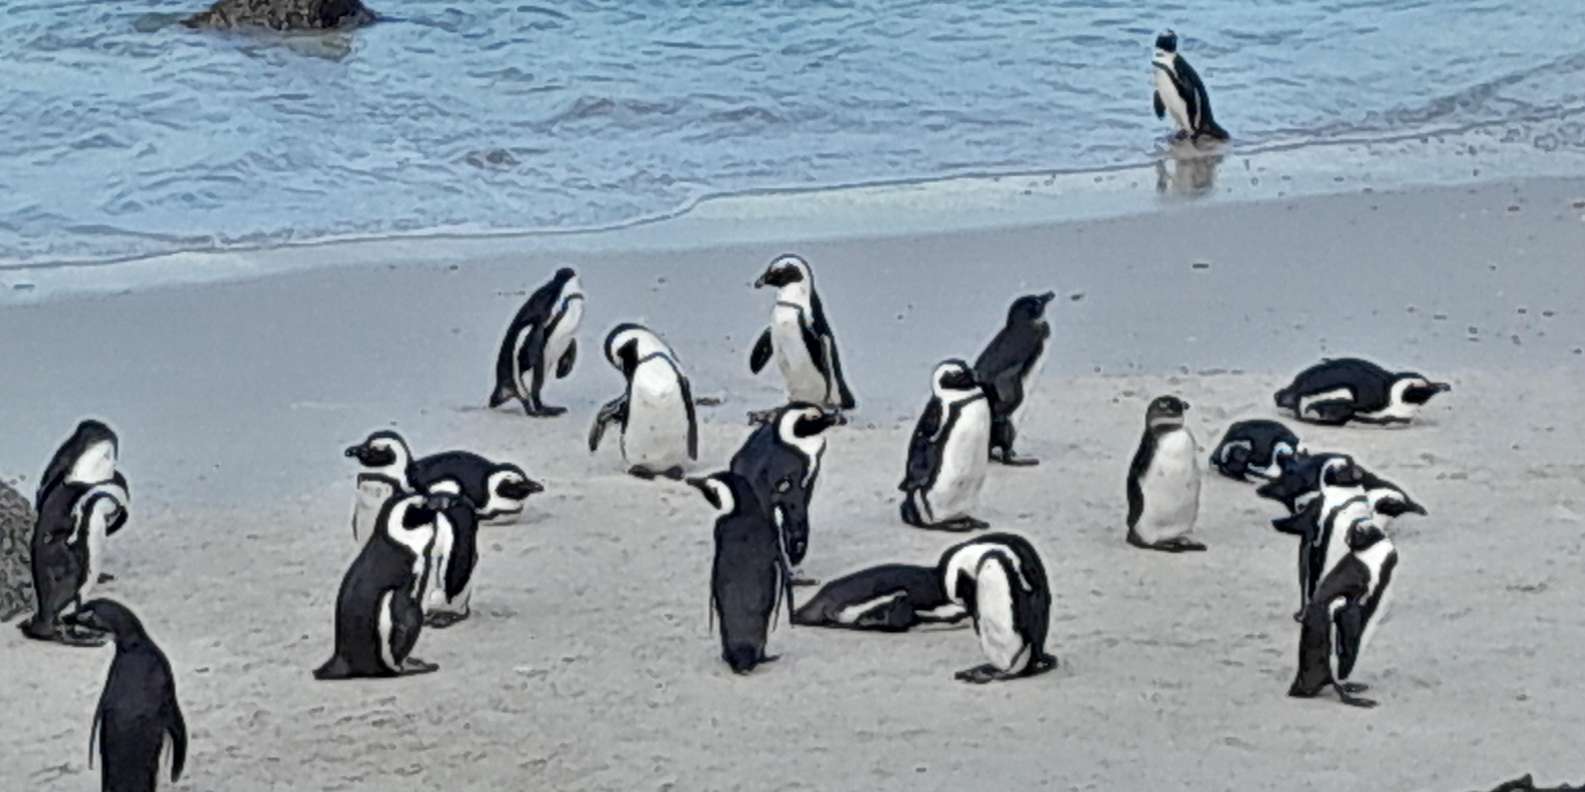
[68, 540]
[748, 577]
[1349, 389]
[1180, 92]
[496, 490]
[1164, 481]
[946, 456]
[138, 722]
[781, 461]
[1354, 598]
[1000, 580]
[1302, 479]
[660, 433]
[378, 609]
[1322, 522]
[543, 334]
[453, 557]
[800, 337]
[1009, 368]
[1255, 448]
[89, 456]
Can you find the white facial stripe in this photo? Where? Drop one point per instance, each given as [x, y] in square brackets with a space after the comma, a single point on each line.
[446, 487]
[96, 463]
[722, 493]
[811, 447]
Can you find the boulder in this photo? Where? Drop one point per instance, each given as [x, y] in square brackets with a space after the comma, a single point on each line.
[1525, 783]
[283, 15]
[16, 553]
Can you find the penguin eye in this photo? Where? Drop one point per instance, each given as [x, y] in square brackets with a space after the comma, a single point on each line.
[783, 486]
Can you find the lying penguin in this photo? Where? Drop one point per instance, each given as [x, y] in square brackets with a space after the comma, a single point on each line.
[884, 598]
[1255, 449]
[1349, 389]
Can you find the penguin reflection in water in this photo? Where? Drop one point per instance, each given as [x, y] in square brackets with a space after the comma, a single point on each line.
[1000, 580]
[543, 334]
[947, 456]
[749, 576]
[660, 433]
[1164, 481]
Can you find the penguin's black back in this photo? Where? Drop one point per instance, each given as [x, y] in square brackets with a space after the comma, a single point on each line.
[381, 566]
[1007, 359]
[1370, 383]
[137, 710]
[765, 461]
[746, 580]
[921, 585]
[469, 470]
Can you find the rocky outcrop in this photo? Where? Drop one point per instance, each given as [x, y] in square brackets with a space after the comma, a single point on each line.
[1526, 784]
[16, 553]
[283, 15]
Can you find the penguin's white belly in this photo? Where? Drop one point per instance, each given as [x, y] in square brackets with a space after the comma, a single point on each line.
[372, 494]
[804, 380]
[561, 336]
[1168, 91]
[656, 436]
[963, 463]
[1031, 377]
[1171, 489]
[96, 549]
[999, 638]
[434, 599]
[1375, 620]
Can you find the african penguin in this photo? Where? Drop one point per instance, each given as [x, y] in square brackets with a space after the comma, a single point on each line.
[660, 433]
[89, 456]
[497, 490]
[542, 334]
[1009, 368]
[1180, 92]
[886, 598]
[781, 461]
[1353, 598]
[946, 454]
[137, 723]
[1255, 448]
[1349, 389]
[749, 576]
[1300, 479]
[1321, 523]
[801, 339]
[1000, 580]
[1164, 481]
[68, 540]
[453, 557]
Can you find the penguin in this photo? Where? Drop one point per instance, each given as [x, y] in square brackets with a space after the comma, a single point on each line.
[946, 455]
[1164, 481]
[1255, 448]
[1180, 92]
[1322, 522]
[138, 722]
[660, 433]
[89, 456]
[801, 339]
[885, 598]
[498, 491]
[453, 556]
[781, 461]
[1009, 368]
[749, 576]
[67, 546]
[1336, 391]
[1000, 580]
[543, 334]
[378, 609]
[1300, 480]
[1353, 597]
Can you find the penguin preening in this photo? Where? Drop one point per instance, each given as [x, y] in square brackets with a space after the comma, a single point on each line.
[885, 598]
[1009, 368]
[1000, 580]
[1255, 448]
[453, 557]
[1340, 390]
[800, 338]
[781, 461]
[542, 334]
[660, 432]
[749, 575]
[1164, 481]
[67, 544]
[1352, 599]
[497, 490]
[88, 456]
[138, 723]
[947, 455]
[1180, 92]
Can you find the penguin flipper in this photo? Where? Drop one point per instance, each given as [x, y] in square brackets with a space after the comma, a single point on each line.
[921, 454]
[1350, 621]
[693, 421]
[761, 354]
[612, 411]
[1332, 411]
[176, 729]
[564, 366]
[406, 621]
[1161, 108]
[336, 667]
[505, 368]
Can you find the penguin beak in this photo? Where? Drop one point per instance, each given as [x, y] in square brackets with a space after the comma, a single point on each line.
[837, 419]
[760, 282]
[84, 619]
[1442, 387]
[521, 489]
[355, 452]
[1047, 297]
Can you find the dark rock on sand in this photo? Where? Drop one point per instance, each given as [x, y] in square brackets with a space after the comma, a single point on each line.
[16, 553]
[283, 14]
[1525, 784]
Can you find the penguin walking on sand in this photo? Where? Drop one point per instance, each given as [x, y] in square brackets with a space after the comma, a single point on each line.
[67, 548]
[542, 334]
[379, 611]
[749, 576]
[947, 456]
[1009, 368]
[1352, 599]
[1255, 449]
[1340, 390]
[1000, 580]
[1164, 481]
[1180, 92]
[497, 490]
[885, 598]
[800, 338]
[781, 461]
[660, 433]
[89, 456]
[138, 723]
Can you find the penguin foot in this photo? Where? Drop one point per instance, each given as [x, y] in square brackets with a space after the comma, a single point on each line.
[412, 666]
[441, 621]
[74, 636]
[543, 411]
[983, 674]
[1354, 701]
[1353, 687]
[641, 473]
[1177, 544]
[959, 525]
[675, 473]
[1298, 616]
[1019, 461]
[105, 577]
[798, 578]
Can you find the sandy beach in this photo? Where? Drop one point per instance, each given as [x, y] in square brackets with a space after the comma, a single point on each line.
[588, 664]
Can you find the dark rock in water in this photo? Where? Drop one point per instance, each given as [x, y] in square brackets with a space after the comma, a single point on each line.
[283, 14]
[16, 553]
[1525, 784]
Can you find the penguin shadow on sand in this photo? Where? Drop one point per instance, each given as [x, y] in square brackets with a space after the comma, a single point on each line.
[1187, 170]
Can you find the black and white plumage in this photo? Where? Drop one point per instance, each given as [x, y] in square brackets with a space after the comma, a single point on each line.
[1301, 478]
[884, 598]
[1000, 580]
[1350, 389]
[497, 490]
[781, 461]
[542, 335]
[89, 456]
[1352, 600]
[1322, 523]
[1164, 481]
[800, 338]
[1255, 449]
[67, 547]
[748, 576]
[138, 723]
[452, 558]
[947, 456]
[660, 432]
[1009, 368]
[1181, 93]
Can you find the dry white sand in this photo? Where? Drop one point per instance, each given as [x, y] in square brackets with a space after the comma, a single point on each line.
[588, 664]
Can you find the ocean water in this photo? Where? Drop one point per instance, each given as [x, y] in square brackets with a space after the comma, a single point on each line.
[126, 135]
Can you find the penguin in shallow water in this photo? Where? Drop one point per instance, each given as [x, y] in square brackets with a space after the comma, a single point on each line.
[946, 455]
[542, 334]
[1000, 580]
[885, 598]
[1009, 368]
[67, 544]
[1353, 598]
[749, 576]
[1180, 92]
[1255, 448]
[1164, 481]
[498, 491]
[781, 460]
[138, 723]
[800, 338]
[660, 433]
[1349, 389]
[379, 611]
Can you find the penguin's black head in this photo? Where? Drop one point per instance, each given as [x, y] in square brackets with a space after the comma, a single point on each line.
[728, 492]
[621, 346]
[802, 419]
[786, 269]
[741, 657]
[90, 431]
[953, 374]
[563, 275]
[1164, 410]
[1364, 533]
[1029, 307]
[510, 482]
[109, 616]
[381, 449]
[1167, 41]
[1342, 471]
[1416, 389]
